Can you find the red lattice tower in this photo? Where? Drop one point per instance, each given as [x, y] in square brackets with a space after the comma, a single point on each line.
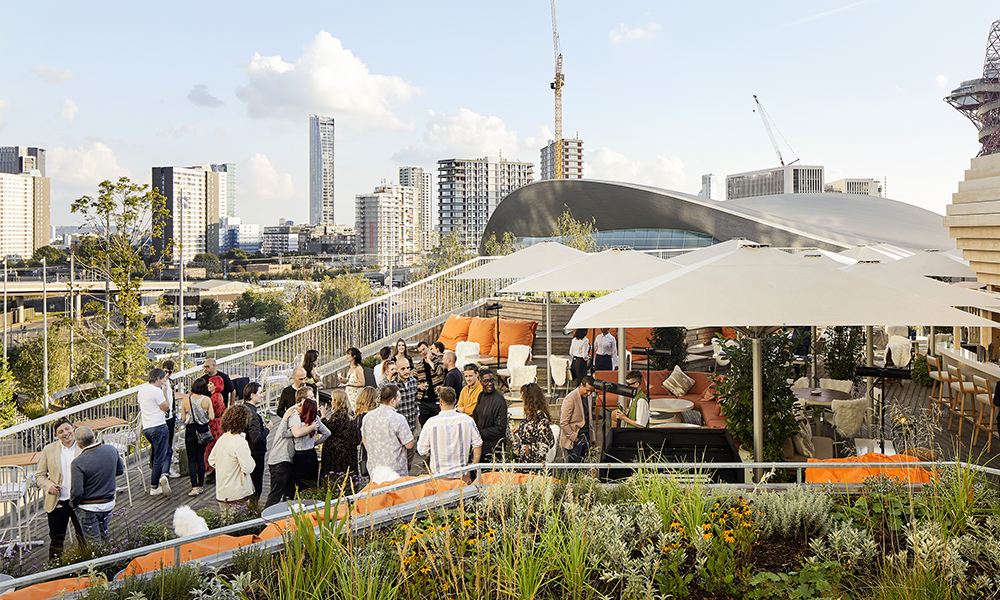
[979, 99]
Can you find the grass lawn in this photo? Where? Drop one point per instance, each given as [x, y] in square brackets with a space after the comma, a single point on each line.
[253, 332]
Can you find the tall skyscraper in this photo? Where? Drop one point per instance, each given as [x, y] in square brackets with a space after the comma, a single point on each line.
[709, 186]
[469, 190]
[230, 187]
[386, 225]
[187, 192]
[416, 177]
[24, 214]
[320, 170]
[572, 159]
[19, 159]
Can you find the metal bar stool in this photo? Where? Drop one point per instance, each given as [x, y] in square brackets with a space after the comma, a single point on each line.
[958, 407]
[940, 381]
[986, 413]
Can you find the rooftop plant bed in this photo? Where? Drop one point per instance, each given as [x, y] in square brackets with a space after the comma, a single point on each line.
[649, 537]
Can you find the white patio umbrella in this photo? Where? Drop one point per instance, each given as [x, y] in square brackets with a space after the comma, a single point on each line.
[689, 258]
[934, 263]
[878, 251]
[525, 263]
[892, 275]
[612, 269]
[763, 289]
[830, 257]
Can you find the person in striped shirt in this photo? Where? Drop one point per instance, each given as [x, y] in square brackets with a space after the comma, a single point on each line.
[449, 436]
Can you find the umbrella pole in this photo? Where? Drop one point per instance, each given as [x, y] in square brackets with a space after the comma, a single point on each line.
[814, 349]
[869, 361]
[548, 341]
[621, 355]
[758, 408]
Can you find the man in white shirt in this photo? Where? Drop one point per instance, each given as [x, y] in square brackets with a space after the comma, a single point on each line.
[54, 478]
[386, 435]
[153, 409]
[605, 351]
[449, 436]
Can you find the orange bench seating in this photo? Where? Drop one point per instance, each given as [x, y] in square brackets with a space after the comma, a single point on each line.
[483, 331]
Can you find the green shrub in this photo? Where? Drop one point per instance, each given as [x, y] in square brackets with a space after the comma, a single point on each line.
[798, 512]
[813, 580]
[919, 372]
[371, 361]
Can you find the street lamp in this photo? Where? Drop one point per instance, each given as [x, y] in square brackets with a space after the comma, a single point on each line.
[5, 311]
[45, 336]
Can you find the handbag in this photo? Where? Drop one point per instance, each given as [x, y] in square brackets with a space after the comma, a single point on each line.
[204, 436]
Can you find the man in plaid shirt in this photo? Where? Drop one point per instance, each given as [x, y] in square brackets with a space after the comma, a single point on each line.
[409, 408]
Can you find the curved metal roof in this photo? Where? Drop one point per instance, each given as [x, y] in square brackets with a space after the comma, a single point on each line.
[829, 221]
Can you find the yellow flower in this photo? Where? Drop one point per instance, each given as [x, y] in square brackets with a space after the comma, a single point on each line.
[707, 536]
[706, 526]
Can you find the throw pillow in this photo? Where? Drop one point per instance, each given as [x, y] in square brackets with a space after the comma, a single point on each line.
[678, 383]
[803, 441]
[709, 393]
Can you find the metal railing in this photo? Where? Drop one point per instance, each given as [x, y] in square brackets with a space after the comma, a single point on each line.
[370, 325]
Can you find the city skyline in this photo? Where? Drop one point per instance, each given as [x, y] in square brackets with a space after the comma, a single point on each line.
[861, 112]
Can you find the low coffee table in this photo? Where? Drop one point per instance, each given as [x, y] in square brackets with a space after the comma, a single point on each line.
[669, 410]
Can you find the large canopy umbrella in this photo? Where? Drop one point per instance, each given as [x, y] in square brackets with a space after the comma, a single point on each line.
[608, 270]
[694, 256]
[892, 275]
[877, 251]
[525, 263]
[763, 289]
[827, 256]
[934, 263]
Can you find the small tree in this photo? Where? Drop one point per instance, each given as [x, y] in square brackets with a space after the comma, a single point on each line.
[51, 255]
[210, 316]
[449, 253]
[343, 293]
[844, 353]
[673, 340]
[735, 392]
[236, 254]
[208, 261]
[8, 406]
[506, 245]
[27, 367]
[576, 234]
[272, 309]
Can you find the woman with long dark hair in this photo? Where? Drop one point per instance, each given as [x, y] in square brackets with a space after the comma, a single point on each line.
[309, 364]
[399, 349]
[196, 412]
[532, 439]
[303, 425]
[355, 379]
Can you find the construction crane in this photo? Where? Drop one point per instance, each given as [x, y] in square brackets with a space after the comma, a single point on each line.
[557, 85]
[770, 134]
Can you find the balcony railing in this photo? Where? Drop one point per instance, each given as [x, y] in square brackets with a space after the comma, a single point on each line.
[369, 326]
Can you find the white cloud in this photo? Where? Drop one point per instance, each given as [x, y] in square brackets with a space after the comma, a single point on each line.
[662, 171]
[199, 96]
[624, 33]
[69, 110]
[263, 191]
[185, 130]
[53, 74]
[467, 134]
[942, 81]
[327, 79]
[84, 166]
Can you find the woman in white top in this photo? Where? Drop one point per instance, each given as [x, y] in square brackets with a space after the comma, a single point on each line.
[355, 379]
[579, 351]
[386, 354]
[232, 460]
[196, 412]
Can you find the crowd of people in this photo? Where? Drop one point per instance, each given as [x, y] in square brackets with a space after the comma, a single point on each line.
[423, 414]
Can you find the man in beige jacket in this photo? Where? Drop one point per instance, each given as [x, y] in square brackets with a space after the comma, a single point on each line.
[576, 422]
[53, 477]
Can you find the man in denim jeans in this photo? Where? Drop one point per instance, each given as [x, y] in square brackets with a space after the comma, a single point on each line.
[93, 484]
[153, 409]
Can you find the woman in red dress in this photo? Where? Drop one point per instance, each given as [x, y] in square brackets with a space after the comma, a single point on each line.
[215, 387]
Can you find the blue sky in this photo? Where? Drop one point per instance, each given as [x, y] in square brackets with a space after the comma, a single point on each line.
[661, 92]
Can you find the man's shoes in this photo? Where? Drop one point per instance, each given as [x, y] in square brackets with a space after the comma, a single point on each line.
[173, 474]
[210, 477]
[155, 491]
[165, 484]
[195, 491]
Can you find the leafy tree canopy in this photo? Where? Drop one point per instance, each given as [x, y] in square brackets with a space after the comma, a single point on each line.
[210, 315]
[581, 235]
[51, 255]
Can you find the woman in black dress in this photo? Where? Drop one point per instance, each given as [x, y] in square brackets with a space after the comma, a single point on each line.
[340, 450]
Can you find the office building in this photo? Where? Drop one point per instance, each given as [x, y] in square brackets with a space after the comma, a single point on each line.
[572, 159]
[386, 225]
[234, 233]
[332, 239]
[709, 186]
[469, 190]
[19, 159]
[187, 192]
[320, 170]
[24, 214]
[789, 179]
[282, 239]
[228, 182]
[421, 180]
[864, 187]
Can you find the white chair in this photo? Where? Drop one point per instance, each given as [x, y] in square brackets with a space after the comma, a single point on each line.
[518, 355]
[899, 348]
[550, 456]
[849, 415]
[841, 385]
[522, 375]
[559, 370]
[463, 352]
[897, 330]
[13, 488]
[124, 439]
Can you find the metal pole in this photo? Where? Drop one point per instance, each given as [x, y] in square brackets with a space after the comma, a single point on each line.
[107, 310]
[814, 350]
[5, 315]
[621, 355]
[45, 335]
[758, 406]
[72, 316]
[548, 342]
[180, 311]
[869, 361]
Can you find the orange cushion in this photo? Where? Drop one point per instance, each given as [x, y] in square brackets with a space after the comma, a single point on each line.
[818, 474]
[514, 332]
[455, 330]
[481, 331]
[729, 333]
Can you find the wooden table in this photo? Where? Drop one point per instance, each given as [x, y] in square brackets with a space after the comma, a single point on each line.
[21, 460]
[102, 423]
[824, 399]
[669, 409]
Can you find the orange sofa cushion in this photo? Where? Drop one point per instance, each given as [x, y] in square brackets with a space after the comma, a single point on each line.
[514, 332]
[455, 330]
[482, 331]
